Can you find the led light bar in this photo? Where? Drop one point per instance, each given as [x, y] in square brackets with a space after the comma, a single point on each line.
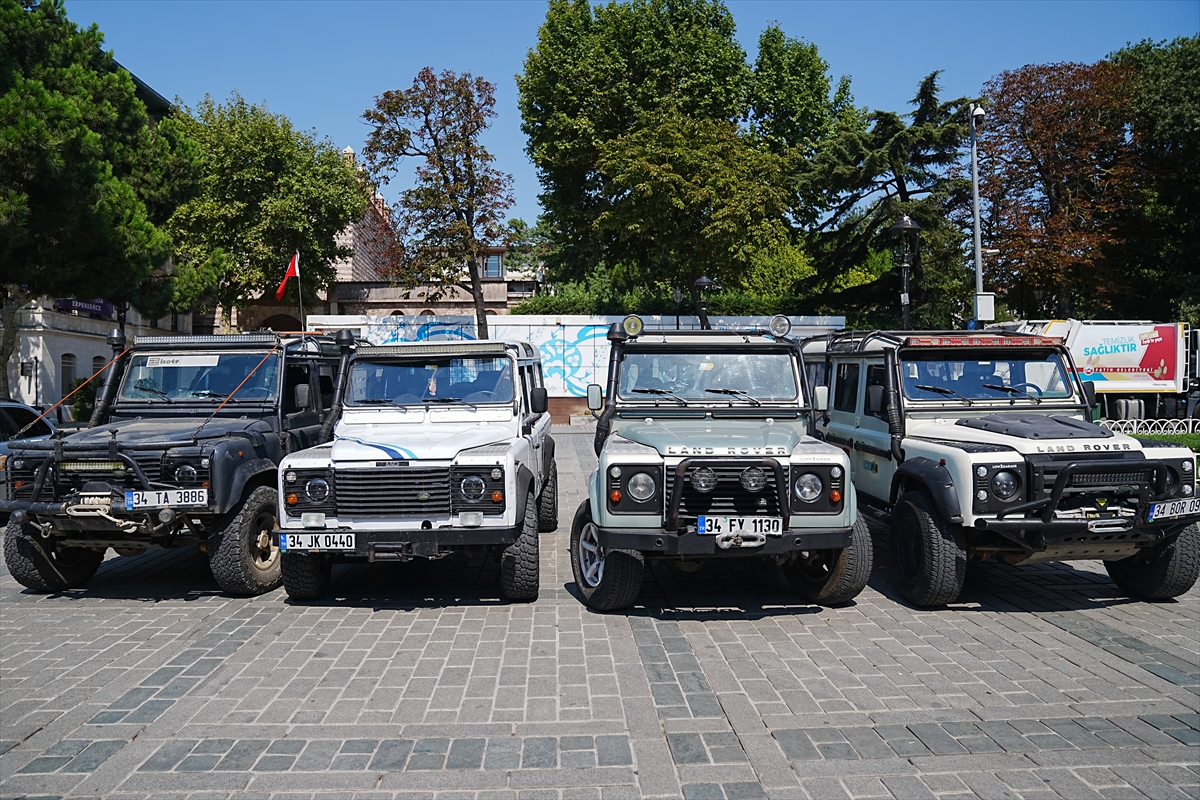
[449, 348]
[225, 339]
[91, 466]
[983, 341]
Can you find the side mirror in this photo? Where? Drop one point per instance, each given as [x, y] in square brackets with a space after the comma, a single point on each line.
[1089, 393]
[539, 401]
[301, 396]
[595, 397]
[875, 400]
[821, 398]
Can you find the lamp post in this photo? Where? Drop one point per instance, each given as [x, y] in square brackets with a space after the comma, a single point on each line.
[700, 285]
[904, 226]
[678, 299]
[985, 304]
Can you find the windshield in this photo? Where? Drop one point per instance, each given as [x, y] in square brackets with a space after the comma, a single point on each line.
[191, 377]
[431, 380]
[709, 377]
[938, 375]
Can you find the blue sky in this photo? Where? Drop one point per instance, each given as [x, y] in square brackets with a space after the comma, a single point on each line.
[322, 63]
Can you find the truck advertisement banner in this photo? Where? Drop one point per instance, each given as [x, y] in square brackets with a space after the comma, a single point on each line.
[1125, 357]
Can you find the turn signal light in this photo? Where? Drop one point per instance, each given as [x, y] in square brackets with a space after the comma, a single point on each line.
[292, 499]
[835, 496]
[497, 497]
[615, 495]
[18, 484]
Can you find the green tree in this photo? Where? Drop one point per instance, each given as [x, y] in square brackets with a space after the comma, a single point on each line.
[1162, 255]
[267, 191]
[456, 208]
[86, 181]
[529, 246]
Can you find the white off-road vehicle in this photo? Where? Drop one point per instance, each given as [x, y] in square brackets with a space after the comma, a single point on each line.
[705, 452]
[982, 446]
[439, 447]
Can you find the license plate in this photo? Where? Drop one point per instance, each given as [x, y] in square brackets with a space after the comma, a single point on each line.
[166, 498]
[316, 541]
[770, 526]
[1173, 509]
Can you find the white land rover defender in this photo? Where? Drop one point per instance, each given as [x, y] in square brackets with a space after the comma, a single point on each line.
[982, 446]
[440, 446]
[705, 452]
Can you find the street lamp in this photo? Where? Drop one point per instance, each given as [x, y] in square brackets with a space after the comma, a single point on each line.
[904, 226]
[678, 299]
[699, 286]
[985, 304]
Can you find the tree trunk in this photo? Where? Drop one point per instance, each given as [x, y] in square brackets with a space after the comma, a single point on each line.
[481, 326]
[8, 344]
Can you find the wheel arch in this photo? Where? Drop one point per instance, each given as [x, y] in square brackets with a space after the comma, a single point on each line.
[934, 479]
[249, 474]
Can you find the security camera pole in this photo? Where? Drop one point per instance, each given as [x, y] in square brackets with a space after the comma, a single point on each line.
[985, 304]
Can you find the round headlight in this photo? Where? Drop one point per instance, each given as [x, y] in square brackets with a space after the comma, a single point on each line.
[753, 479]
[836, 472]
[497, 474]
[1187, 490]
[641, 487]
[472, 487]
[1004, 484]
[981, 495]
[981, 471]
[289, 477]
[1186, 466]
[614, 471]
[185, 473]
[780, 325]
[317, 489]
[808, 487]
[704, 479]
[18, 464]
[632, 325]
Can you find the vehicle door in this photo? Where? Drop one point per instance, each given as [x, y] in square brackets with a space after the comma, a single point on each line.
[535, 427]
[301, 422]
[843, 407]
[872, 442]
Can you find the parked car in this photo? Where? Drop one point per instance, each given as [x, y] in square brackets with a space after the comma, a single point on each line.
[440, 446]
[14, 419]
[190, 430]
[981, 446]
[706, 452]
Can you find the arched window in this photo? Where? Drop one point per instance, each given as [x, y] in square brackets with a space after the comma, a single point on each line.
[67, 373]
[397, 313]
[97, 363]
[427, 313]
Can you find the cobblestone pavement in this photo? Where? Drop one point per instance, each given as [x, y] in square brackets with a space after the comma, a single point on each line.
[415, 680]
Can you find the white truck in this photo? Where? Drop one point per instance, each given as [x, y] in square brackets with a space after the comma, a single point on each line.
[1141, 369]
[440, 446]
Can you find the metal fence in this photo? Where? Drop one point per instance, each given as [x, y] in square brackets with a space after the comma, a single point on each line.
[1134, 427]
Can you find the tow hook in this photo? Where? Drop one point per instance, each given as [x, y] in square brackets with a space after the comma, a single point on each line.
[745, 539]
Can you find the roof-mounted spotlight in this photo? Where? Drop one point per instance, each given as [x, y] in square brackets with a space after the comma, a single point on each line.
[632, 325]
[780, 326]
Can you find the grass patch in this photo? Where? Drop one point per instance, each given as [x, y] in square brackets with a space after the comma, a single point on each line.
[1191, 440]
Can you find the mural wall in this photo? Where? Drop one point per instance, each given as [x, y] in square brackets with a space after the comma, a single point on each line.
[574, 348]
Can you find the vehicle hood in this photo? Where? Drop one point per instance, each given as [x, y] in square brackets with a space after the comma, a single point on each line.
[1027, 433]
[715, 437]
[148, 431]
[439, 442]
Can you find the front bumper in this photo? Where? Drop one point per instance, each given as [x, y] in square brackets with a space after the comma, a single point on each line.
[375, 545]
[690, 543]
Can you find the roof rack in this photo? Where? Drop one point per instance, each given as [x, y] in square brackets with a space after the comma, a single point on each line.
[858, 341]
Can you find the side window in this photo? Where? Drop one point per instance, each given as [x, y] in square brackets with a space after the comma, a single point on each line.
[20, 418]
[326, 384]
[816, 373]
[526, 384]
[295, 374]
[845, 388]
[875, 377]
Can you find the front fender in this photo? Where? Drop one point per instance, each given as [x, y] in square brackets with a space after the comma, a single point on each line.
[936, 479]
[245, 473]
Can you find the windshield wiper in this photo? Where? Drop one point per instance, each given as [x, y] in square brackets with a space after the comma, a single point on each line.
[736, 392]
[664, 392]
[447, 400]
[145, 387]
[208, 393]
[370, 401]
[945, 391]
[1013, 390]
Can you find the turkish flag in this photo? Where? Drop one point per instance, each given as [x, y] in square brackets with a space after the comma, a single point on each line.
[293, 271]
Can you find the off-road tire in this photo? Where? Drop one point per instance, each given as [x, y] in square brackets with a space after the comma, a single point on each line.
[238, 561]
[832, 577]
[548, 501]
[1166, 570]
[929, 556]
[620, 579]
[305, 576]
[520, 571]
[37, 564]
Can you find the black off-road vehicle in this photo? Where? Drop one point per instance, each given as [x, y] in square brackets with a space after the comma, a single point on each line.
[182, 450]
